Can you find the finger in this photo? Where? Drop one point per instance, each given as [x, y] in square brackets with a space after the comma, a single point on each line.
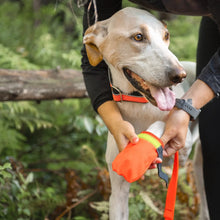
[131, 136]
[134, 140]
[168, 151]
[143, 177]
[155, 162]
[120, 147]
[121, 142]
[152, 166]
[165, 138]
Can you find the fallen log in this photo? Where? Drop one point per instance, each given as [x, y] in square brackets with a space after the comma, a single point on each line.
[18, 85]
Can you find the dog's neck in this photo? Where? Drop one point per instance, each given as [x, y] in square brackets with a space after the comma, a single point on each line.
[140, 111]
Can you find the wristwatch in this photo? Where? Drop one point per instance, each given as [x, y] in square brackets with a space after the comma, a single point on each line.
[186, 105]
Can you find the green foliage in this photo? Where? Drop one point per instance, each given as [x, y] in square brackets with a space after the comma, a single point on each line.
[101, 207]
[12, 60]
[184, 37]
[4, 172]
[21, 198]
[140, 207]
[14, 118]
[66, 142]
[39, 37]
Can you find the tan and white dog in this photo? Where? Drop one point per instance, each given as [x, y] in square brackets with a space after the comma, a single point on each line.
[134, 44]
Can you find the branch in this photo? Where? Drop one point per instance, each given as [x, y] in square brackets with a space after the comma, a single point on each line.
[18, 85]
[76, 204]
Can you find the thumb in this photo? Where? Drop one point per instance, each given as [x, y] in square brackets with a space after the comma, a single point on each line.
[165, 140]
[133, 138]
[166, 137]
[131, 135]
[128, 136]
[168, 150]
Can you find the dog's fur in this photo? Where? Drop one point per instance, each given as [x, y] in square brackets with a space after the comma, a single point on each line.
[134, 44]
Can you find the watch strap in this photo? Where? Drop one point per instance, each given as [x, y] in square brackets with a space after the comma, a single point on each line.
[186, 105]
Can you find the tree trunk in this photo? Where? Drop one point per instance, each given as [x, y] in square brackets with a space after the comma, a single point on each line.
[41, 84]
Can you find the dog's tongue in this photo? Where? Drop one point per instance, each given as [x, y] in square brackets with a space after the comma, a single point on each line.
[164, 97]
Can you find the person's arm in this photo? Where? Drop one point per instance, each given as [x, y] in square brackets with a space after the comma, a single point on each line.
[200, 93]
[122, 130]
[96, 78]
[97, 82]
[204, 89]
[177, 122]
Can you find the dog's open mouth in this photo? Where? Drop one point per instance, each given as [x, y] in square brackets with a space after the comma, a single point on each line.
[163, 98]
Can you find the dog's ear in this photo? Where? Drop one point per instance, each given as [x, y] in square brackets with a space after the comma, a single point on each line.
[93, 38]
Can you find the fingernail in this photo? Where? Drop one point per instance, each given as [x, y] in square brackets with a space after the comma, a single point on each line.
[135, 140]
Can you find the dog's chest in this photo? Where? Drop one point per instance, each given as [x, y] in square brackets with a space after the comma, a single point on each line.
[141, 116]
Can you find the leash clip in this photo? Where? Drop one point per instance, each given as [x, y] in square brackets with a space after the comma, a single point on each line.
[161, 174]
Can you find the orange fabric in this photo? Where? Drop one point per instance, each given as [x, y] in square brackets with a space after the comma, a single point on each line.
[134, 160]
[126, 97]
[129, 98]
[171, 192]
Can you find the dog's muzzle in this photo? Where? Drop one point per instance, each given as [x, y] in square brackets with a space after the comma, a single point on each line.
[139, 84]
[162, 97]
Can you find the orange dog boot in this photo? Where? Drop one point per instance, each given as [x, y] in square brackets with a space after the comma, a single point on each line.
[135, 159]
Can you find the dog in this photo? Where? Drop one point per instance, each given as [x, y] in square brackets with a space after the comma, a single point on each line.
[134, 45]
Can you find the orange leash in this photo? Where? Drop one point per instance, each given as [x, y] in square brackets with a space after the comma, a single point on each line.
[171, 191]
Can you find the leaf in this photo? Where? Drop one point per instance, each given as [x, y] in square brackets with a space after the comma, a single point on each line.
[100, 130]
[5, 174]
[100, 206]
[89, 154]
[11, 60]
[80, 218]
[88, 123]
[17, 184]
[30, 125]
[2, 181]
[99, 120]
[26, 212]
[29, 178]
[149, 202]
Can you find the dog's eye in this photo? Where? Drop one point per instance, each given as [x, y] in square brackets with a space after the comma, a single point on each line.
[166, 36]
[138, 37]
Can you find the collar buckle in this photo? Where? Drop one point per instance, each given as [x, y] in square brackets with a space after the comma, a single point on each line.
[118, 92]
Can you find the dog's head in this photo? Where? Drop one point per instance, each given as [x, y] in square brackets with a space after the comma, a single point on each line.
[135, 44]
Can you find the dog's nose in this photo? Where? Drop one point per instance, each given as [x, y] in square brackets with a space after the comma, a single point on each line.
[177, 75]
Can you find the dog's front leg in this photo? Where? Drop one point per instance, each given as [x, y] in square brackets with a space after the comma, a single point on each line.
[199, 178]
[118, 203]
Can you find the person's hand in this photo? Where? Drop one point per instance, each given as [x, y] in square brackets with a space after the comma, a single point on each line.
[175, 132]
[155, 162]
[123, 132]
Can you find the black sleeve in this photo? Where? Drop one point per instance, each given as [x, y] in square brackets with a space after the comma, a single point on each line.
[214, 8]
[208, 53]
[211, 73]
[96, 78]
[151, 4]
